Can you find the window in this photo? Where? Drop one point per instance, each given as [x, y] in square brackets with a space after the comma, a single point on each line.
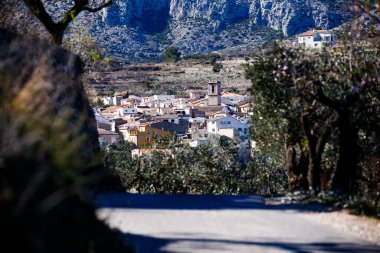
[213, 129]
[212, 89]
[240, 129]
[148, 131]
[147, 139]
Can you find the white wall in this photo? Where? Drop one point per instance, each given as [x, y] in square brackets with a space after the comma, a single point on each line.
[125, 111]
[229, 127]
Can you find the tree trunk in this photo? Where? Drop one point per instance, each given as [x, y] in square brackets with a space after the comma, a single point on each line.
[297, 172]
[291, 164]
[316, 148]
[315, 174]
[56, 37]
[345, 174]
[303, 168]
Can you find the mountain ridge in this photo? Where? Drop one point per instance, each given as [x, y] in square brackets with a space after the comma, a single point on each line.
[141, 30]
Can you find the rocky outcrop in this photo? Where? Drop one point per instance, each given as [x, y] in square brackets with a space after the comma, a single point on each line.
[296, 16]
[290, 16]
[48, 146]
[221, 12]
[143, 29]
[147, 27]
[146, 15]
[44, 81]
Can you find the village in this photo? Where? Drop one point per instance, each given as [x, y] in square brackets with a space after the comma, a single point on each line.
[195, 119]
[190, 126]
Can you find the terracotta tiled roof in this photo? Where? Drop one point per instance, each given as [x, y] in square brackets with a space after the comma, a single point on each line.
[229, 94]
[311, 33]
[110, 109]
[102, 131]
[209, 108]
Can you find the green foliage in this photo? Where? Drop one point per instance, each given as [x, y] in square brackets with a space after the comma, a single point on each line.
[106, 93]
[205, 58]
[291, 85]
[172, 54]
[233, 90]
[147, 85]
[175, 167]
[85, 45]
[356, 205]
[216, 67]
[364, 207]
[213, 58]
[118, 159]
[264, 176]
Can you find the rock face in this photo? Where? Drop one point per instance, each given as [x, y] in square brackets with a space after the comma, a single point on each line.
[48, 141]
[222, 12]
[146, 15]
[43, 81]
[140, 29]
[143, 29]
[296, 16]
[290, 16]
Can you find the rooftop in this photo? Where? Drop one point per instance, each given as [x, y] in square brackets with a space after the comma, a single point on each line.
[102, 131]
[312, 32]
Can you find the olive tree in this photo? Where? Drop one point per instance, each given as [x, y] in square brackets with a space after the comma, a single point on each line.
[305, 97]
[57, 29]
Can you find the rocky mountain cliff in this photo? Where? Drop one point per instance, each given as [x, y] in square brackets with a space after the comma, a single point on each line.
[144, 28]
[140, 29]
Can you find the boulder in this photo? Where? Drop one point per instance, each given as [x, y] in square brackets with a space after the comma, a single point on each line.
[48, 153]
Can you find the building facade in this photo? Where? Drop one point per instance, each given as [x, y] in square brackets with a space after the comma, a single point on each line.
[316, 39]
[214, 94]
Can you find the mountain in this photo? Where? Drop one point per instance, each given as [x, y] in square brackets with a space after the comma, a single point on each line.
[143, 29]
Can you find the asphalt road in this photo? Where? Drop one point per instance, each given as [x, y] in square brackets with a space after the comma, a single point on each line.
[188, 223]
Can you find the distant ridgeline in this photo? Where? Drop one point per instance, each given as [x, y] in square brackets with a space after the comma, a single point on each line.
[143, 29]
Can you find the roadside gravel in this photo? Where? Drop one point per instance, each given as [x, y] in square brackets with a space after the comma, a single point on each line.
[365, 228]
[362, 227]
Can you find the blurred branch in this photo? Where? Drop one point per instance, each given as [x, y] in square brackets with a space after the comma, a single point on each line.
[369, 7]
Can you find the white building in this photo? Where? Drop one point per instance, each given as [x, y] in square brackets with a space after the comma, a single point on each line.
[107, 138]
[228, 126]
[317, 39]
[127, 111]
[198, 137]
[115, 100]
[162, 98]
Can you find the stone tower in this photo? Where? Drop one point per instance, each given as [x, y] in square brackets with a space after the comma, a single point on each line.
[214, 92]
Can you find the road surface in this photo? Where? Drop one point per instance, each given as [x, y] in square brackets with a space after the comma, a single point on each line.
[205, 224]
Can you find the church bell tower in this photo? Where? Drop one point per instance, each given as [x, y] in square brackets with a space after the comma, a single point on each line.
[214, 94]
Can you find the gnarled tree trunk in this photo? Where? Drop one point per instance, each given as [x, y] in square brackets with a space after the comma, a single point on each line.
[297, 170]
[316, 149]
[344, 178]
